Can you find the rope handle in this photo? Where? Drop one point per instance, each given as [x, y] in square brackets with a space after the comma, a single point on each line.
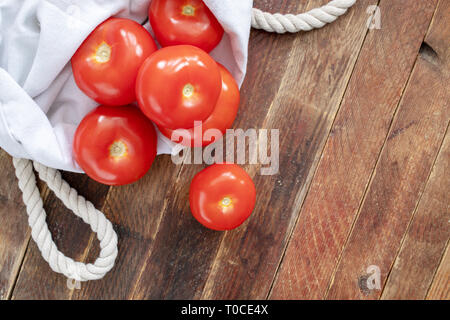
[313, 19]
[279, 23]
[84, 209]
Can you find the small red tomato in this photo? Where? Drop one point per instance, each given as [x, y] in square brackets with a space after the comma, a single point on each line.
[222, 196]
[106, 65]
[115, 146]
[177, 86]
[221, 119]
[178, 22]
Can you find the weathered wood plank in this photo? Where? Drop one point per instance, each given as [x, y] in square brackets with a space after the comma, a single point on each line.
[319, 67]
[348, 159]
[14, 233]
[424, 245]
[440, 288]
[438, 39]
[72, 236]
[401, 173]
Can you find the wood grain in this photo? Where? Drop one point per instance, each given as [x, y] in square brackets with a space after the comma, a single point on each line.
[427, 237]
[401, 173]
[440, 289]
[351, 151]
[14, 233]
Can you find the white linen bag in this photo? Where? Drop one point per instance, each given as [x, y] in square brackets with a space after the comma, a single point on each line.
[41, 106]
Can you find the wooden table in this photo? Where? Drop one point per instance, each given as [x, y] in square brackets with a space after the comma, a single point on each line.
[363, 183]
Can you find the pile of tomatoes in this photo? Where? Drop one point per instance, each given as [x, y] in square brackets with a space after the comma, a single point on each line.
[119, 63]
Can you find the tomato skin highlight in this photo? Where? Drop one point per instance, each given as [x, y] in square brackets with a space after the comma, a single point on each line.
[106, 65]
[222, 118]
[222, 196]
[177, 86]
[177, 22]
[115, 145]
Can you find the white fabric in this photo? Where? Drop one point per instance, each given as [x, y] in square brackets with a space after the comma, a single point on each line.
[40, 104]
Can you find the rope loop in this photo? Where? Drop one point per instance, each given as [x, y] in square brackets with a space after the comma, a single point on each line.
[80, 206]
[314, 19]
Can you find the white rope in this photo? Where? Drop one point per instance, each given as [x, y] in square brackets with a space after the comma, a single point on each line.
[82, 208]
[314, 19]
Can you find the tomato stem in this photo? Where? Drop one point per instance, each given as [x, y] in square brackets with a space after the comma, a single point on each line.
[188, 90]
[103, 53]
[118, 149]
[188, 10]
[226, 202]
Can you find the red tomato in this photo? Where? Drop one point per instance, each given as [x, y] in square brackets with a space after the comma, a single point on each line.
[178, 85]
[178, 22]
[106, 65]
[222, 196]
[221, 119]
[115, 146]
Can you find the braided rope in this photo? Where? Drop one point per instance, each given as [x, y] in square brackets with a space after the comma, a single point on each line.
[314, 19]
[82, 208]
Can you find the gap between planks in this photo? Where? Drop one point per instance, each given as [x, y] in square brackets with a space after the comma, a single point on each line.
[412, 219]
[442, 265]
